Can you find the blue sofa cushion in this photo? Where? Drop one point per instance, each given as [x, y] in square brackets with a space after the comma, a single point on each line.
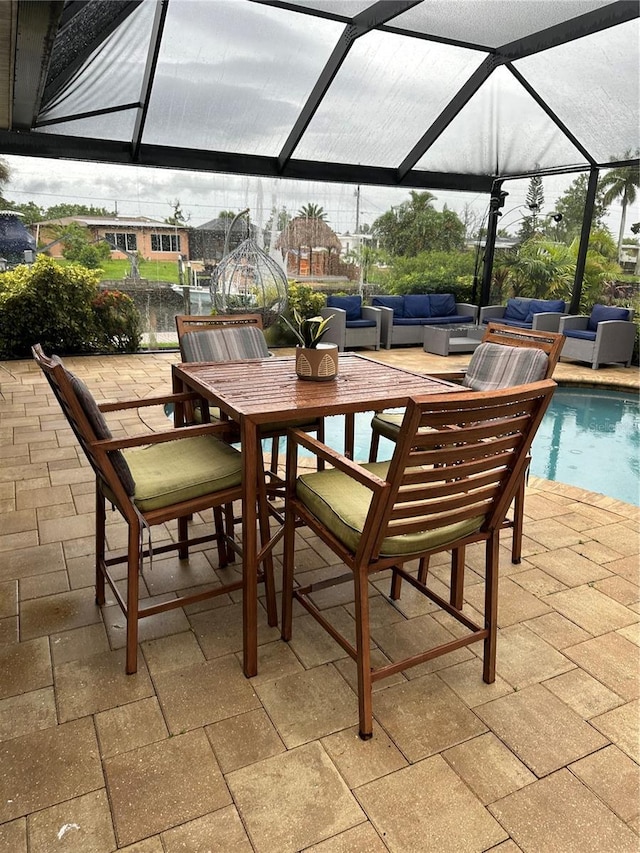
[517, 309]
[583, 334]
[537, 306]
[443, 321]
[520, 324]
[442, 304]
[599, 313]
[417, 305]
[351, 304]
[359, 324]
[412, 321]
[394, 302]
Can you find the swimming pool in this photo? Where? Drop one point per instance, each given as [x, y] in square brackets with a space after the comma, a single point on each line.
[588, 438]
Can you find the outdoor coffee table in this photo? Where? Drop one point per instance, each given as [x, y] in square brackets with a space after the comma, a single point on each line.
[443, 340]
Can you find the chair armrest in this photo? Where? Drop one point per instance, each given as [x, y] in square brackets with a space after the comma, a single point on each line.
[337, 329]
[386, 322]
[220, 429]
[492, 312]
[464, 308]
[450, 376]
[371, 313]
[337, 460]
[574, 321]
[620, 330]
[547, 321]
[121, 405]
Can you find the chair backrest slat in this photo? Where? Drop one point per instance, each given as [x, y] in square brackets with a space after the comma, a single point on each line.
[231, 337]
[465, 465]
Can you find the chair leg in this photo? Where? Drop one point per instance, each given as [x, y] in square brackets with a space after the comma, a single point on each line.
[133, 569]
[265, 535]
[423, 570]
[491, 607]
[363, 649]
[518, 522]
[183, 535]
[320, 436]
[456, 593]
[396, 585]
[223, 558]
[287, 575]
[100, 546]
[375, 444]
[275, 453]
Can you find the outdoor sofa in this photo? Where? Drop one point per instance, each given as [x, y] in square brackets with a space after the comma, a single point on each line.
[541, 314]
[404, 317]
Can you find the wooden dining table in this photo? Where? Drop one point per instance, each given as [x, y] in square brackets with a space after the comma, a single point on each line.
[267, 391]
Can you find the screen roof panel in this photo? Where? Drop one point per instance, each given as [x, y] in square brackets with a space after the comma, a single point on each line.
[502, 130]
[225, 81]
[388, 90]
[606, 63]
[489, 22]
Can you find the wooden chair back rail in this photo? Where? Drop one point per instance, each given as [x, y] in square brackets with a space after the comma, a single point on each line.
[549, 342]
[439, 482]
[195, 322]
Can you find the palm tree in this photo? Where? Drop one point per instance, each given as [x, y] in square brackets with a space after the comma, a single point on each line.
[622, 183]
[312, 211]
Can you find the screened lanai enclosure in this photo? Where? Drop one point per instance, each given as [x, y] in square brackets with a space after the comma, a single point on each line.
[460, 95]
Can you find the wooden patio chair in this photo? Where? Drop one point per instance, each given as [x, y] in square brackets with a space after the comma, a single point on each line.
[457, 463]
[234, 337]
[490, 369]
[152, 479]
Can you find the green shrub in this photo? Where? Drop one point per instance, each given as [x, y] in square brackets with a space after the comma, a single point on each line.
[60, 307]
[117, 321]
[303, 299]
[433, 272]
[48, 304]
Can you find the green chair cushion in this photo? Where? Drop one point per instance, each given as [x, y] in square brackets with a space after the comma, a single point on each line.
[179, 470]
[342, 504]
[387, 424]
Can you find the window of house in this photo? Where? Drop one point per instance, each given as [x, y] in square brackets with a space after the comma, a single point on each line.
[165, 243]
[122, 240]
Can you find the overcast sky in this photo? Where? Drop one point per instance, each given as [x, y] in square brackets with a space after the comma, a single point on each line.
[138, 191]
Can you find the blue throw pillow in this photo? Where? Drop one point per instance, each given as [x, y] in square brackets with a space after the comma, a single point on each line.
[605, 312]
[537, 306]
[442, 304]
[417, 305]
[351, 304]
[394, 302]
[517, 309]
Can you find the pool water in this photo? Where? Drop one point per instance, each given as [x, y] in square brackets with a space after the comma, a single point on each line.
[588, 438]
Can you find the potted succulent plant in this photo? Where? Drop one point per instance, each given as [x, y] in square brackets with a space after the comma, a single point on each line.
[314, 360]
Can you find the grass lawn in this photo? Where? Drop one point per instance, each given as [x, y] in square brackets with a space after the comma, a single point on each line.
[152, 270]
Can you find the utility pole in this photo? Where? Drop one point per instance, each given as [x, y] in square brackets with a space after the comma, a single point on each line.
[357, 195]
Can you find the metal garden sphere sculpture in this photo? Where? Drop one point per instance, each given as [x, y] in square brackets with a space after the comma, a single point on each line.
[248, 281]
